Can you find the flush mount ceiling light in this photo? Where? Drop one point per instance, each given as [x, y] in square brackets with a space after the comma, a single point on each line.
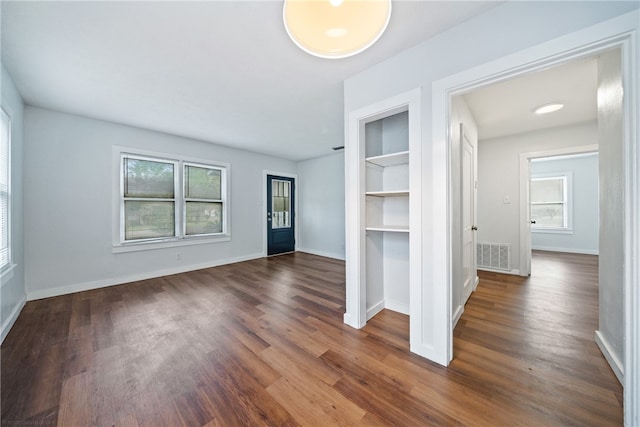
[548, 108]
[335, 28]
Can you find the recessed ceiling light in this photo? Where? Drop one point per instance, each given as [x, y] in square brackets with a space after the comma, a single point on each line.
[548, 108]
[335, 28]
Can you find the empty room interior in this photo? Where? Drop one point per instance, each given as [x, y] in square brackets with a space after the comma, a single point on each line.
[320, 212]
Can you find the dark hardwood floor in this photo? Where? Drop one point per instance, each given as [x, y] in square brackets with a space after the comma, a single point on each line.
[263, 343]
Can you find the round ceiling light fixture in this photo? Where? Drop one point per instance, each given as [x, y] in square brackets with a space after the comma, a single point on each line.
[335, 28]
[549, 108]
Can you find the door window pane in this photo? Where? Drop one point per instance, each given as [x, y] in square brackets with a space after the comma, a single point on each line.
[148, 219]
[280, 204]
[203, 218]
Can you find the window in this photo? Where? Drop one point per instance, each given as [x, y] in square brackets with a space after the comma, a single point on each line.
[165, 199]
[550, 202]
[281, 204]
[5, 190]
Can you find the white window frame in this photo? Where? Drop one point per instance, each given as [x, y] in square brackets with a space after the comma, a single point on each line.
[123, 199]
[223, 196]
[180, 238]
[567, 180]
[6, 267]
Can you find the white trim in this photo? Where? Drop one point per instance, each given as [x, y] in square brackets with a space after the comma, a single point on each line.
[265, 204]
[375, 309]
[620, 32]
[7, 274]
[564, 157]
[97, 284]
[542, 230]
[356, 313]
[169, 243]
[11, 320]
[566, 250]
[398, 307]
[616, 364]
[322, 253]
[7, 112]
[513, 272]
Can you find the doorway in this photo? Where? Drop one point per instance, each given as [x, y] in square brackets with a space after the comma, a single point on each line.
[281, 215]
[614, 319]
[526, 221]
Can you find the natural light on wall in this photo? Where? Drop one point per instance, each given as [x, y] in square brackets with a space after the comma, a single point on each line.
[335, 28]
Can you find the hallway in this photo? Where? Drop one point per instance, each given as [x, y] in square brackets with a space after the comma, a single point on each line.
[529, 342]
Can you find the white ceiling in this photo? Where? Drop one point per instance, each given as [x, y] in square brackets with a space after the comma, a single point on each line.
[219, 71]
[506, 108]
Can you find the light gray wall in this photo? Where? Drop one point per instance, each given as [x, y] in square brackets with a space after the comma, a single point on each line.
[499, 178]
[611, 271]
[584, 213]
[12, 285]
[68, 197]
[321, 205]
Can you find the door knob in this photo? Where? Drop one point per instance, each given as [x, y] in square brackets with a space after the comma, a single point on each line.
[474, 228]
[533, 222]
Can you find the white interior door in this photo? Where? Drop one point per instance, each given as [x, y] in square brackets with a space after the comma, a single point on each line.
[468, 178]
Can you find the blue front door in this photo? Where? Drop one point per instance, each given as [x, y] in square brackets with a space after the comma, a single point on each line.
[280, 215]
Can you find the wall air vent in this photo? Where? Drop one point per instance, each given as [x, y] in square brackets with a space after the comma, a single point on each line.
[494, 256]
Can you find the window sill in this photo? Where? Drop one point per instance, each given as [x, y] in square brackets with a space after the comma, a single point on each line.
[7, 273]
[552, 230]
[148, 246]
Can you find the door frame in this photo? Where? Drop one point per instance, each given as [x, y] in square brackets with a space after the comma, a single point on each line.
[620, 32]
[265, 203]
[525, 175]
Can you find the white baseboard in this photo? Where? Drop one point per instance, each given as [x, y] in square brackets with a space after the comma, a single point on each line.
[375, 309]
[616, 365]
[514, 272]
[87, 286]
[322, 253]
[351, 321]
[396, 306]
[7, 324]
[566, 250]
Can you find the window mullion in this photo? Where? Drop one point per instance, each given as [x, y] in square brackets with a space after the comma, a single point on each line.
[180, 205]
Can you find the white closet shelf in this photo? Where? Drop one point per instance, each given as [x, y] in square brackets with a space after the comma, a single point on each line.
[391, 228]
[393, 159]
[394, 193]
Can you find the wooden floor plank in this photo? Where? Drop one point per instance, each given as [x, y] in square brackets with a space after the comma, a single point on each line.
[263, 343]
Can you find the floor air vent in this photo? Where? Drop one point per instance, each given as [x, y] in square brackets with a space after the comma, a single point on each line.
[496, 256]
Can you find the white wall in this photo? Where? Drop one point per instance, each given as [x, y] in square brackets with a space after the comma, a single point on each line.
[585, 220]
[12, 288]
[321, 205]
[68, 196]
[499, 179]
